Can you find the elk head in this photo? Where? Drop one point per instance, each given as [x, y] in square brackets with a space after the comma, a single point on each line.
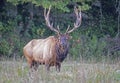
[62, 38]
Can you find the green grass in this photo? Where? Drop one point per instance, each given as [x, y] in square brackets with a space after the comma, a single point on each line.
[71, 72]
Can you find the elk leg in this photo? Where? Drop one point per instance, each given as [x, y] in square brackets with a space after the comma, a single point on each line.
[35, 65]
[30, 63]
[47, 67]
[58, 66]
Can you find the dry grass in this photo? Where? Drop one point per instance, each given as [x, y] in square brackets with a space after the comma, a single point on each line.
[71, 72]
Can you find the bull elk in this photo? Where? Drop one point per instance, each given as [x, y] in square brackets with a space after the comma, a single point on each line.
[52, 50]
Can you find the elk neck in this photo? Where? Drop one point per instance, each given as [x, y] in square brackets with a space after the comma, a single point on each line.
[61, 50]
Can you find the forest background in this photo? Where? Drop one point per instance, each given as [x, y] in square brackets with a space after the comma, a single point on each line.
[97, 38]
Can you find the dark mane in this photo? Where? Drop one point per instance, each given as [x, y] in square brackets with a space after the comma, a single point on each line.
[61, 51]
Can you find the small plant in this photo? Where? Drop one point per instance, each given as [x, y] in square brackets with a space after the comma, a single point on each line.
[5, 48]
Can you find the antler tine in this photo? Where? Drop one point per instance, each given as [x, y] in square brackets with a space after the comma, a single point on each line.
[67, 28]
[78, 20]
[58, 28]
[50, 25]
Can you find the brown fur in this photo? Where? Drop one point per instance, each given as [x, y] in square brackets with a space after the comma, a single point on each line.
[41, 51]
[52, 50]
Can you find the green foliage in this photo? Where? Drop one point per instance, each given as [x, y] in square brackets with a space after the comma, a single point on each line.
[60, 4]
[10, 43]
[40, 31]
[117, 76]
[87, 47]
[5, 27]
[109, 26]
[85, 6]
[27, 22]
[5, 48]
[5, 44]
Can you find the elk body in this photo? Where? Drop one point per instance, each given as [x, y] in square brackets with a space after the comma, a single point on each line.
[52, 50]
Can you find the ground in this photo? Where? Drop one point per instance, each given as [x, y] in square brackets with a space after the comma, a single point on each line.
[12, 71]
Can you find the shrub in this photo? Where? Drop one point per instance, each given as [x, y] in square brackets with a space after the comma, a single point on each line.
[87, 47]
[5, 48]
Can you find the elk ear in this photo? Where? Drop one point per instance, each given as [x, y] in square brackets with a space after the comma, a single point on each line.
[69, 37]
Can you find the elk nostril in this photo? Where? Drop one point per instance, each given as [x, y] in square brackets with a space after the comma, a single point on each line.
[63, 44]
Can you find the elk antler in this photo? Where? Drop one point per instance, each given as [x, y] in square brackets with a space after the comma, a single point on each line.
[50, 25]
[78, 20]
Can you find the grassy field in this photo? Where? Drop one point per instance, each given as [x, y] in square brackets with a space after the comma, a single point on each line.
[12, 71]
